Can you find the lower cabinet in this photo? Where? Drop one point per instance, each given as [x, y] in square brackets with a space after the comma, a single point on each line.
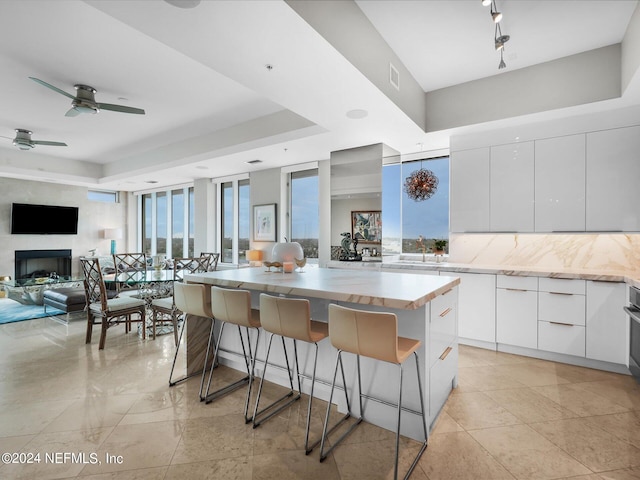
[477, 306]
[441, 377]
[607, 323]
[517, 311]
[561, 338]
[443, 349]
[561, 316]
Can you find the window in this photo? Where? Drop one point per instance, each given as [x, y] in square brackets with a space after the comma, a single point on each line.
[227, 222]
[304, 207]
[161, 223]
[234, 213]
[166, 220]
[244, 220]
[100, 196]
[404, 220]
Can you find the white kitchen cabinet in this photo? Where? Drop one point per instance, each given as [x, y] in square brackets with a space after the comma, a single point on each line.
[443, 326]
[560, 184]
[469, 190]
[476, 306]
[607, 323]
[561, 338]
[561, 316]
[512, 188]
[517, 311]
[613, 170]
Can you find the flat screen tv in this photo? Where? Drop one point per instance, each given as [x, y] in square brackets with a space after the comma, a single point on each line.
[30, 219]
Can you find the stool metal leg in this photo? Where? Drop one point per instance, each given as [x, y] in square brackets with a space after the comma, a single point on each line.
[175, 356]
[256, 412]
[248, 419]
[395, 472]
[210, 397]
[424, 421]
[308, 449]
[325, 432]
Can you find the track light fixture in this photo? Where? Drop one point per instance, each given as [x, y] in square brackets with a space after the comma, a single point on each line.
[501, 65]
[498, 38]
[495, 14]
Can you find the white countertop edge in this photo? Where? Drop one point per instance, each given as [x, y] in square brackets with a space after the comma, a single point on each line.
[356, 293]
[631, 278]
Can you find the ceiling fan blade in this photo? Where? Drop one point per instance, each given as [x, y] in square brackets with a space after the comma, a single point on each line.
[55, 89]
[120, 108]
[72, 112]
[52, 144]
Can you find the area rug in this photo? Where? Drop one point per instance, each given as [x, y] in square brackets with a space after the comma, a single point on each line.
[11, 311]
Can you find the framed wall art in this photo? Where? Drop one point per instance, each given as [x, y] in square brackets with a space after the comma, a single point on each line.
[366, 226]
[264, 223]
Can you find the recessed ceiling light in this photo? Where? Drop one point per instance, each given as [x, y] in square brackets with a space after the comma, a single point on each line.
[183, 3]
[357, 114]
[253, 162]
[151, 181]
[202, 167]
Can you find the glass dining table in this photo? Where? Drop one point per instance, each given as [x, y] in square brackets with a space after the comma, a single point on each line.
[147, 285]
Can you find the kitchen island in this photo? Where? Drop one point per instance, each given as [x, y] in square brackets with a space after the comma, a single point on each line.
[426, 308]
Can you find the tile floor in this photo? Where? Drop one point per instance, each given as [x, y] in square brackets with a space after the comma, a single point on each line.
[511, 418]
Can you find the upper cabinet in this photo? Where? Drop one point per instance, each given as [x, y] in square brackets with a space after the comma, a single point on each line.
[512, 188]
[469, 190]
[560, 184]
[613, 170]
[573, 183]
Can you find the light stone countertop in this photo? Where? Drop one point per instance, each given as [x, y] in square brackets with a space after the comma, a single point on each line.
[630, 277]
[392, 290]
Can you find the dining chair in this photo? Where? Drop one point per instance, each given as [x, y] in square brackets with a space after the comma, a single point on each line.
[128, 267]
[373, 335]
[110, 311]
[289, 318]
[163, 307]
[213, 262]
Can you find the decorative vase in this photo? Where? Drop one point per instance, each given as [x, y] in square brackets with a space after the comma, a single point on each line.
[287, 252]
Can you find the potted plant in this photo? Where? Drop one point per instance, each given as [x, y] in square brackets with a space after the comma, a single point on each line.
[439, 246]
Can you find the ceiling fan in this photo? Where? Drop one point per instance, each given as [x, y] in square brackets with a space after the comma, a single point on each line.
[24, 142]
[85, 101]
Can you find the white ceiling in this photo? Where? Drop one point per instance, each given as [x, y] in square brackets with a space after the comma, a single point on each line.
[211, 104]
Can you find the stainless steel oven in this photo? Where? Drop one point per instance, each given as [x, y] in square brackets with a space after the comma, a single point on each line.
[633, 310]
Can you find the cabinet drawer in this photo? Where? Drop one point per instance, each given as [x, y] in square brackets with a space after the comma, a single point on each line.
[517, 283]
[560, 338]
[443, 323]
[441, 378]
[561, 285]
[562, 307]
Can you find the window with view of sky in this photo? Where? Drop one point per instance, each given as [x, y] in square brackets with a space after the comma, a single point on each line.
[404, 219]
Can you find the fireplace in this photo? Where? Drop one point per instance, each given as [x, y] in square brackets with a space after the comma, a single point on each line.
[30, 264]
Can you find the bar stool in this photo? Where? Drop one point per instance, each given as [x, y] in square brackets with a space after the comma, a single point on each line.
[289, 318]
[373, 335]
[234, 306]
[192, 299]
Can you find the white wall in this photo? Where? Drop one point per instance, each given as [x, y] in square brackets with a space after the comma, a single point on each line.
[265, 189]
[93, 217]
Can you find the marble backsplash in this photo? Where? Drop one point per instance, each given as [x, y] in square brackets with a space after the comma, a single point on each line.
[614, 252]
